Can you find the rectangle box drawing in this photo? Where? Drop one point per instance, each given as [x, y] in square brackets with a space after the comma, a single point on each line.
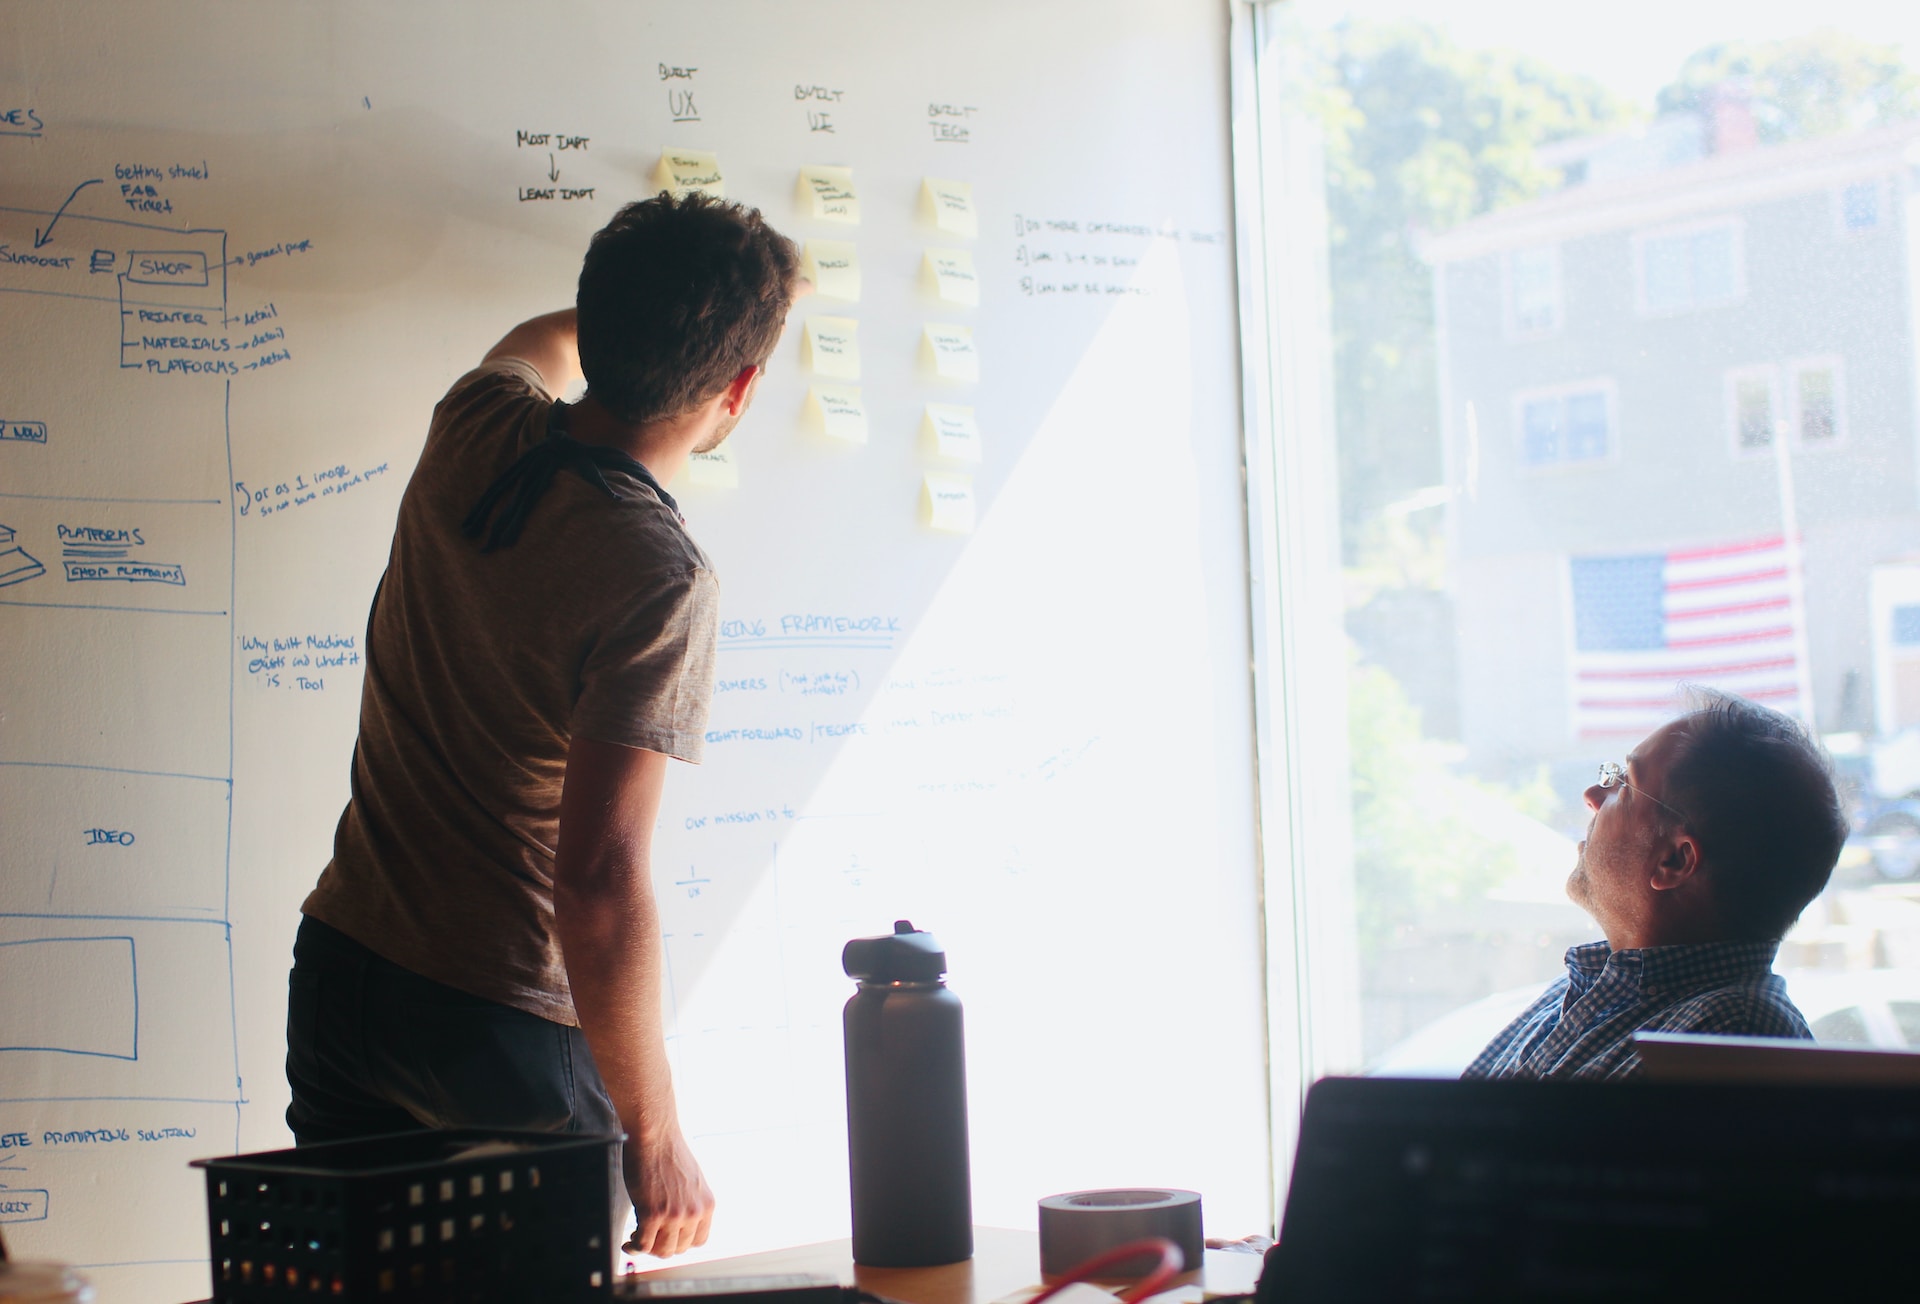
[131, 572]
[167, 267]
[84, 997]
[109, 844]
[19, 1206]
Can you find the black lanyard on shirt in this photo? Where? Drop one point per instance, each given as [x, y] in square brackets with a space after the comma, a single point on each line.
[532, 474]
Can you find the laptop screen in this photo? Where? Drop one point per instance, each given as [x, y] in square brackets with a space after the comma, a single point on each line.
[1449, 1190]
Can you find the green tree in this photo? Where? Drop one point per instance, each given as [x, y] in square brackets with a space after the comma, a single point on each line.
[1802, 87]
[1421, 134]
[1414, 851]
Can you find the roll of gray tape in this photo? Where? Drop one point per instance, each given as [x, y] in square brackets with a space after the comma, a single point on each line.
[1080, 1224]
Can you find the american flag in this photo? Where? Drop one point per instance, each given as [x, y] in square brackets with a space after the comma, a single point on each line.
[1644, 624]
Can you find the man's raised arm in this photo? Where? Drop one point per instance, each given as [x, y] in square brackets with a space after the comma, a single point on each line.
[550, 343]
[609, 930]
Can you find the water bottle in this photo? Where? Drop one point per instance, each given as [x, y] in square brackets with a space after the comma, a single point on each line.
[906, 1104]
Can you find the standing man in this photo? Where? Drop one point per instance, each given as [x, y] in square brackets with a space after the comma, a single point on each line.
[1702, 851]
[484, 948]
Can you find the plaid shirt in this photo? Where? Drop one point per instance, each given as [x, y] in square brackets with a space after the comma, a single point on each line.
[1583, 1025]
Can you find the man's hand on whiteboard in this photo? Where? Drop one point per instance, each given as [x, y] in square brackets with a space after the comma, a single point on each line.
[672, 1204]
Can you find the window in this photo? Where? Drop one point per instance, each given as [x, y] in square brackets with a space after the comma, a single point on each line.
[1812, 413]
[1566, 425]
[1506, 622]
[1858, 207]
[1816, 402]
[1906, 625]
[1752, 406]
[1533, 292]
[1692, 268]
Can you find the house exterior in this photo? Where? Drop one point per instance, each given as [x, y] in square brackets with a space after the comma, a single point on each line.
[1621, 364]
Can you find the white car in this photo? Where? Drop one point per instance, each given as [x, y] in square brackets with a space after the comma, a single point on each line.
[1870, 1007]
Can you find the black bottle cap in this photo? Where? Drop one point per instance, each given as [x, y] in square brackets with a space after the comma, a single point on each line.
[904, 955]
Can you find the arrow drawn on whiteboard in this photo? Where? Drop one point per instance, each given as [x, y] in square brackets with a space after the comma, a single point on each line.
[41, 237]
[553, 169]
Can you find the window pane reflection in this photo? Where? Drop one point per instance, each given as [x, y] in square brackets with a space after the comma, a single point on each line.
[1625, 375]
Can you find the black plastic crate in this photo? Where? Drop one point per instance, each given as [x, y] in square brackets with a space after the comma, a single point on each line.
[475, 1215]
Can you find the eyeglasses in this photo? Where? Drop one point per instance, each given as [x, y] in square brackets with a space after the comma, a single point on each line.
[1614, 775]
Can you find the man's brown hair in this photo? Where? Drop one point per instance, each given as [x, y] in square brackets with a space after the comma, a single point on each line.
[677, 296]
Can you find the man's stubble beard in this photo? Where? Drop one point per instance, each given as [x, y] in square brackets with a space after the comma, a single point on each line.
[719, 437]
[1577, 884]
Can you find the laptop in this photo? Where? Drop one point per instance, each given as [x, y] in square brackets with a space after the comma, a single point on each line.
[1410, 1189]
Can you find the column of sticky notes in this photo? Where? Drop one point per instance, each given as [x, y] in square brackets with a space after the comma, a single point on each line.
[947, 350]
[830, 343]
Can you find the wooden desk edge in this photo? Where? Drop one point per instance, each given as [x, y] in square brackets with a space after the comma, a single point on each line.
[1004, 1260]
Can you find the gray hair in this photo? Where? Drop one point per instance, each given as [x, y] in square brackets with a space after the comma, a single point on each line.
[1758, 792]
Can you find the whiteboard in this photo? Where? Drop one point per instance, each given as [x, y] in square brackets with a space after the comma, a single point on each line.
[244, 249]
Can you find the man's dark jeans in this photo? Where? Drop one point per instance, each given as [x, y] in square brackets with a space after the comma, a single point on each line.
[375, 1048]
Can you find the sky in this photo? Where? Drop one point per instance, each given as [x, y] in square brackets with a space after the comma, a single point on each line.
[1635, 46]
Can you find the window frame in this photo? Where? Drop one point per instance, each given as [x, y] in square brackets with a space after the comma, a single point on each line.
[1608, 389]
[1509, 309]
[1733, 223]
[1730, 406]
[1835, 363]
[1883, 199]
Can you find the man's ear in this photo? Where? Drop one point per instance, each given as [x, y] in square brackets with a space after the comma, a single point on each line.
[740, 390]
[1679, 862]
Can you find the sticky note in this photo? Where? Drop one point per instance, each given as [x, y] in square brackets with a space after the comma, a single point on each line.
[684, 170]
[947, 502]
[949, 206]
[834, 268]
[827, 195]
[949, 350]
[953, 431]
[716, 470]
[837, 412]
[948, 273]
[831, 347]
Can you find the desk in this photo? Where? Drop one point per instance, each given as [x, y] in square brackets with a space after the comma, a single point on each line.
[1003, 1261]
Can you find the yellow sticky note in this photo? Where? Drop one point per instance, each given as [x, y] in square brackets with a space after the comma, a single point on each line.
[953, 431]
[684, 170]
[948, 273]
[827, 195]
[716, 470]
[837, 412]
[834, 268]
[832, 347]
[947, 501]
[949, 206]
[949, 350]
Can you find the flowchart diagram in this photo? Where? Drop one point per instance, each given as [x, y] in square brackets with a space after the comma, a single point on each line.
[116, 769]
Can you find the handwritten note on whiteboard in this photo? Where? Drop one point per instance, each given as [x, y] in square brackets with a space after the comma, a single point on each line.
[831, 347]
[949, 275]
[947, 502]
[827, 195]
[953, 432]
[834, 268]
[948, 350]
[837, 412]
[714, 470]
[949, 206]
[685, 170]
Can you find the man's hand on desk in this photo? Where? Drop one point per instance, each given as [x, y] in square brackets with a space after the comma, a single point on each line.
[671, 1200]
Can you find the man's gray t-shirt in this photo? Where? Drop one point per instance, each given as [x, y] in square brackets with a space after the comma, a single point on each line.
[598, 622]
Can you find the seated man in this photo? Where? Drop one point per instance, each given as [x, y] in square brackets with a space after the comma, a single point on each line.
[1701, 852]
